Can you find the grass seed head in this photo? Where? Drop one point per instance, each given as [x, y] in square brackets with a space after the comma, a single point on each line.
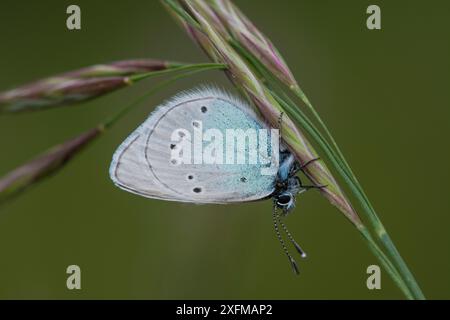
[76, 86]
[44, 165]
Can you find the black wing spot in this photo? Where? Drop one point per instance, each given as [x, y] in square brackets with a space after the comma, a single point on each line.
[172, 146]
[190, 177]
[243, 179]
[197, 190]
[204, 109]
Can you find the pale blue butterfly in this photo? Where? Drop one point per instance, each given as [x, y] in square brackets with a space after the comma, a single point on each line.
[144, 164]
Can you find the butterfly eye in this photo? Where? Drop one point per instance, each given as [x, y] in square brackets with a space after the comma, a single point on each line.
[204, 109]
[284, 199]
[197, 190]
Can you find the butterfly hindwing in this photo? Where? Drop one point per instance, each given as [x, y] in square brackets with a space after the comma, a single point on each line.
[143, 163]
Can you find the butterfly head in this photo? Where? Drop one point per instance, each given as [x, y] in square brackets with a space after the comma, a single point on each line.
[285, 201]
[286, 192]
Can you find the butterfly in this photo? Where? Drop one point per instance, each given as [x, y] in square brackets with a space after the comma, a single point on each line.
[207, 146]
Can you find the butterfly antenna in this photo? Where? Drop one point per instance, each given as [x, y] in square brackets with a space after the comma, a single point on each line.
[291, 238]
[277, 231]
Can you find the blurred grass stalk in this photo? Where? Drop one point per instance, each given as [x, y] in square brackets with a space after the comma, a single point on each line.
[255, 67]
[85, 84]
[53, 160]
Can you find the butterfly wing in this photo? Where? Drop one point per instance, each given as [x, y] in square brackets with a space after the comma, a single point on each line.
[143, 164]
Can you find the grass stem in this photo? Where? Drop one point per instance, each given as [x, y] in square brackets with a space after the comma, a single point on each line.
[191, 69]
[186, 67]
[381, 233]
[403, 278]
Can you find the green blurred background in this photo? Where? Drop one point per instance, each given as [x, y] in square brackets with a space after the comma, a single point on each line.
[383, 93]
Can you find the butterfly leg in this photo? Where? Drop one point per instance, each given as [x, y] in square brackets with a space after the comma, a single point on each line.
[307, 163]
[280, 119]
[297, 167]
[320, 186]
[307, 187]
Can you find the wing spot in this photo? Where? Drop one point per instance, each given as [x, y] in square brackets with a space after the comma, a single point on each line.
[196, 124]
[204, 109]
[197, 190]
[181, 134]
[172, 146]
[190, 177]
[243, 179]
[174, 161]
